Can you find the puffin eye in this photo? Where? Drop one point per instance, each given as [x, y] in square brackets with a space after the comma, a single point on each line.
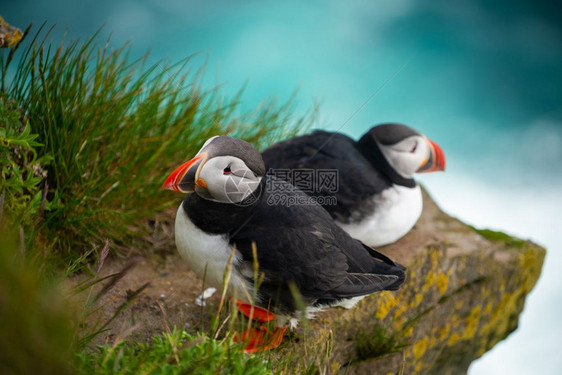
[227, 170]
[414, 148]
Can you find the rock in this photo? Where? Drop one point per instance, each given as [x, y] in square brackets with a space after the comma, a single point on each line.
[9, 35]
[464, 292]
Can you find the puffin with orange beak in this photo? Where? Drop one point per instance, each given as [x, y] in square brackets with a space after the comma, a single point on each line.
[233, 207]
[377, 199]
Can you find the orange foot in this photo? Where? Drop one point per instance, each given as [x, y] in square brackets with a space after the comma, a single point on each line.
[254, 312]
[260, 339]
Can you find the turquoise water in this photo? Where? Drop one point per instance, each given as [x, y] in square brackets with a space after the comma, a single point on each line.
[483, 79]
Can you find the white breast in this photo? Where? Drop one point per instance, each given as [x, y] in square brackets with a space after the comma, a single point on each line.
[396, 211]
[208, 254]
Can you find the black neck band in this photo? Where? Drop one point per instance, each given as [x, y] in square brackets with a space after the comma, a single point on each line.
[221, 218]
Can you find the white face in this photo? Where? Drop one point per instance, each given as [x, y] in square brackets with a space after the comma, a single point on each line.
[227, 180]
[408, 155]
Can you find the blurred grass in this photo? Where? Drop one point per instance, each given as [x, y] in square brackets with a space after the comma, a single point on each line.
[36, 324]
[107, 129]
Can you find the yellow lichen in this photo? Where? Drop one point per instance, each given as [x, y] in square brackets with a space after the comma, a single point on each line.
[417, 299]
[497, 320]
[485, 292]
[408, 331]
[9, 35]
[432, 342]
[472, 322]
[527, 259]
[487, 308]
[429, 280]
[444, 332]
[501, 287]
[411, 274]
[459, 304]
[442, 282]
[419, 348]
[386, 303]
[435, 257]
[453, 339]
[400, 310]
[530, 262]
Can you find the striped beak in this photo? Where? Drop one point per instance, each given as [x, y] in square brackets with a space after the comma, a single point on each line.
[185, 177]
[435, 161]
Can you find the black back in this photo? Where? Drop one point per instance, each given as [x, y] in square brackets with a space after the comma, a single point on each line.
[359, 179]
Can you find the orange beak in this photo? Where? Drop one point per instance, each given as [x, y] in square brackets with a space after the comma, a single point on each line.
[436, 160]
[183, 179]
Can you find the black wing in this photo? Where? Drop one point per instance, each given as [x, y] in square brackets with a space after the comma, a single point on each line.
[301, 244]
[358, 180]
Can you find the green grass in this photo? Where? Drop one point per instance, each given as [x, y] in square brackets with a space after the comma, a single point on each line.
[22, 170]
[107, 130]
[496, 236]
[380, 341]
[176, 352]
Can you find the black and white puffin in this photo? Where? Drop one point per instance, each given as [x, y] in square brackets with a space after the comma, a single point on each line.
[227, 208]
[377, 199]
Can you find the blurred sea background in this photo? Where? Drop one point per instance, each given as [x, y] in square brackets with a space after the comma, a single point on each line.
[481, 78]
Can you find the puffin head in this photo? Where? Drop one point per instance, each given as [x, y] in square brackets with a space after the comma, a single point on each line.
[406, 150]
[225, 170]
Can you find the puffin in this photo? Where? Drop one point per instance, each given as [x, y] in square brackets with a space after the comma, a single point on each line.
[227, 222]
[376, 199]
